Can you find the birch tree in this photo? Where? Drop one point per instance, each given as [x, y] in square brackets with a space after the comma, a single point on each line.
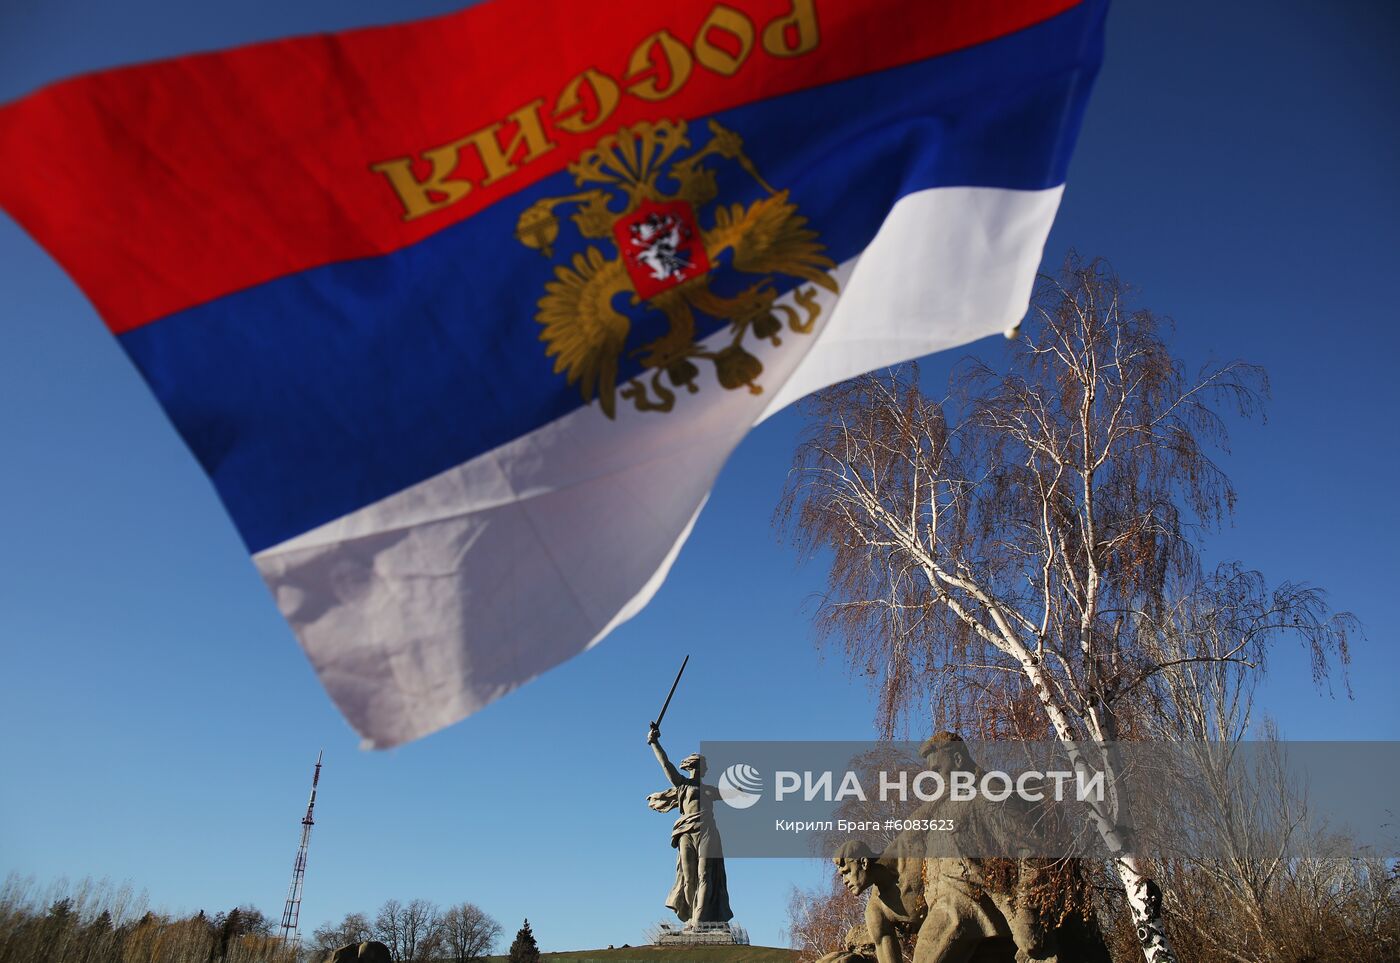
[1009, 560]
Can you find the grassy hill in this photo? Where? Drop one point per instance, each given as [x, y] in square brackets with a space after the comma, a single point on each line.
[679, 954]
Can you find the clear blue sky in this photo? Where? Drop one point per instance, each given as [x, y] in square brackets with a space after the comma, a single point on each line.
[158, 723]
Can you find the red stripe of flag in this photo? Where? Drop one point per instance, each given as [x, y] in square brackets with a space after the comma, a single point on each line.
[163, 186]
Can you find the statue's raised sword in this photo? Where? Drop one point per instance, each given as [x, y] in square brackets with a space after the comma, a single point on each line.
[667, 704]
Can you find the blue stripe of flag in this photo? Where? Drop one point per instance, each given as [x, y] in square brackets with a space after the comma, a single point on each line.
[316, 394]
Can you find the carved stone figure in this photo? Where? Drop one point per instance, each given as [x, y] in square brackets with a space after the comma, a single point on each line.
[959, 914]
[855, 948]
[701, 891]
[371, 952]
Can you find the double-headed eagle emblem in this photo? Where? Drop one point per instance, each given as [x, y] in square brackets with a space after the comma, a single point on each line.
[664, 260]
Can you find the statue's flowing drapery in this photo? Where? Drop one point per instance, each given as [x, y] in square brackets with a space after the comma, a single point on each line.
[699, 856]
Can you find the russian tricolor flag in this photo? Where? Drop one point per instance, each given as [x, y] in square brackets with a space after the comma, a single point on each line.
[462, 317]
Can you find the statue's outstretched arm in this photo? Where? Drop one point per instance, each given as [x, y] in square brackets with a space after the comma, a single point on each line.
[654, 740]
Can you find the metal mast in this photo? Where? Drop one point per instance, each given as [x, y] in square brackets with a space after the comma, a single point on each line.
[292, 911]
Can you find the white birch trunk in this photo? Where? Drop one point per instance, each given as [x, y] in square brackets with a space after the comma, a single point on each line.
[1145, 901]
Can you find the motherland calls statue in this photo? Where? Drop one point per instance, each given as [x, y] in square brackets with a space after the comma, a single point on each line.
[701, 892]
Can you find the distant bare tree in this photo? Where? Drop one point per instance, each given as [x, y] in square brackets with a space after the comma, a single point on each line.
[1265, 882]
[819, 919]
[469, 933]
[1013, 567]
[354, 928]
[1257, 877]
[412, 930]
[96, 922]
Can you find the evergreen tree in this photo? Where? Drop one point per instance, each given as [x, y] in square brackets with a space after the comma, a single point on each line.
[229, 932]
[99, 937]
[53, 932]
[524, 949]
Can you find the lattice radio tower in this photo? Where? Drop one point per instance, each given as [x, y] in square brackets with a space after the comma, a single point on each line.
[292, 911]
